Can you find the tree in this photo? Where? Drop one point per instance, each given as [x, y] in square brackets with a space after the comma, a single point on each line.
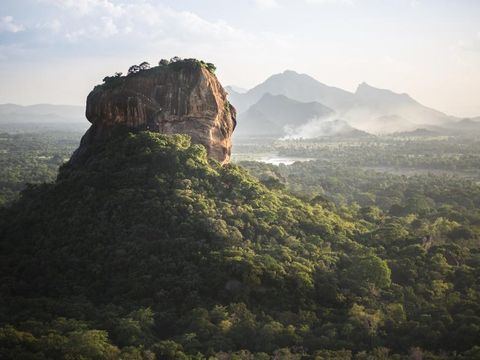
[133, 69]
[163, 62]
[144, 66]
[368, 319]
[370, 270]
[211, 67]
[118, 74]
[169, 349]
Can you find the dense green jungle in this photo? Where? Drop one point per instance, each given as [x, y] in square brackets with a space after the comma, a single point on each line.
[363, 249]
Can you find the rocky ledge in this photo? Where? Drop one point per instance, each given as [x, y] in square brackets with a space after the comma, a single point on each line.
[176, 97]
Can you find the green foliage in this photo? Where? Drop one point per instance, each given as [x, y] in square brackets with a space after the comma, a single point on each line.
[147, 249]
[176, 64]
[31, 158]
[211, 67]
[369, 270]
[402, 188]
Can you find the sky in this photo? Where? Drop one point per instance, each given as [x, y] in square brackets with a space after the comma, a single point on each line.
[56, 51]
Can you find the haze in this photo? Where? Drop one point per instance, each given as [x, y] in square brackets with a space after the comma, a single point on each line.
[55, 51]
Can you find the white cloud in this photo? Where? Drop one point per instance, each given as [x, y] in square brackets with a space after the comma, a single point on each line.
[266, 4]
[54, 25]
[468, 45]
[149, 22]
[105, 29]
[84, 7]
[269, 4]
[345, 2]
[7, 24]
[415, 3]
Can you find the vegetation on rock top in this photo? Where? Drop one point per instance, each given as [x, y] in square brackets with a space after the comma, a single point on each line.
[174, 64]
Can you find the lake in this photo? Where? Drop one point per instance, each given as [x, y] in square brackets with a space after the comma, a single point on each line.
[285, 160]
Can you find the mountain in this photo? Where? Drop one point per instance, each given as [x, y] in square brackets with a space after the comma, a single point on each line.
[42, 117]
[276, 114]
[236, 89]
[382, 99]
[384, 111]
[299, 87]
[63, 111]
[180, 97]
[469, 127]
[417, 133]
[369, 109]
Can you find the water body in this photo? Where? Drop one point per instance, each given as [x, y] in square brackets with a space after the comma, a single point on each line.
[285, 160]
[268, 158]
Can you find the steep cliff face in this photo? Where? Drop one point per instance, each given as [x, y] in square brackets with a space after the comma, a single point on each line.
[180, 98]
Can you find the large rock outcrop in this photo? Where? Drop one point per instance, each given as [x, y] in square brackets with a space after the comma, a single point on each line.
[184, 97]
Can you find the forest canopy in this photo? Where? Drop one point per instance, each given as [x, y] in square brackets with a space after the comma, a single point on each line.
[151, 250]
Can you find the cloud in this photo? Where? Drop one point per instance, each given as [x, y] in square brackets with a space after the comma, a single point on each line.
[344, 2]
[147, 21]
[266, 4]
[468, 45]
[318, 127]
[67, 28]
[53, 25]
[103, 18]
[269, 4]
[104, 29]
[415, 3]
[7, 24]
[84, 7]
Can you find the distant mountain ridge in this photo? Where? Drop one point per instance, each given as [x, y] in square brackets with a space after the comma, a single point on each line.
[42, 117]
[369, 109]
[63, 111]
[299, 87]
[279, 105]
[237, 89]
[275, 114]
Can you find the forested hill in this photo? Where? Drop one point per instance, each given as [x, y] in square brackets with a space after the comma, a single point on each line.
[151, 250]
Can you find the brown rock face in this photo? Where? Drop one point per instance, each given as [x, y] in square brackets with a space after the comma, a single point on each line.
[181, 98]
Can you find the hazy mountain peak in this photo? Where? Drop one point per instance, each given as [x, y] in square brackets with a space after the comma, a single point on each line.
[296, 86]
[281, 101]
[369, 108]
[289, 72]
[269, 97]
[291, 75]
[386, 97]
[273, 114]
[235, 89]
[365, 88]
